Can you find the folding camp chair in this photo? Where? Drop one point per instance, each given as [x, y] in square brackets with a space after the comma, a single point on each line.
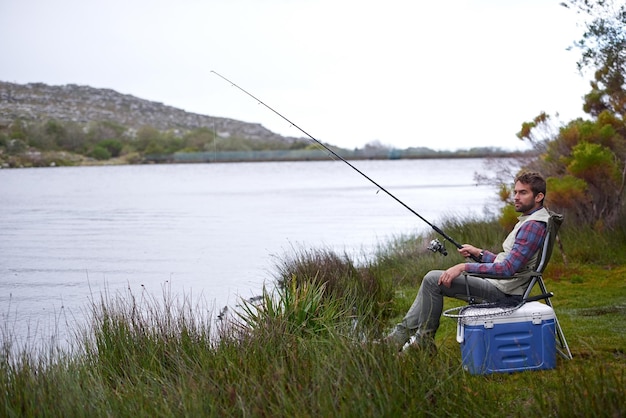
[536, 278]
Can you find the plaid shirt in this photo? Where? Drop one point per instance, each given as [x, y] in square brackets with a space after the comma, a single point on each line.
[527, 242]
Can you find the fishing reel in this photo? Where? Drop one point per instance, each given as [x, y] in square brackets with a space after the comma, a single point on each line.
[437, 246]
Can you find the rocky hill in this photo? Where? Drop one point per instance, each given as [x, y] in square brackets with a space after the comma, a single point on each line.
[82, 104]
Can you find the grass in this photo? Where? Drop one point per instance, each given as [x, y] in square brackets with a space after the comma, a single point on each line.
[306, 349]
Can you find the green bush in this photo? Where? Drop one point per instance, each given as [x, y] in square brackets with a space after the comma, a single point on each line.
[16, 146]
[114, 146]
[100, 153]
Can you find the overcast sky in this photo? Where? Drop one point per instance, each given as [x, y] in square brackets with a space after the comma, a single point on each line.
[449, 74]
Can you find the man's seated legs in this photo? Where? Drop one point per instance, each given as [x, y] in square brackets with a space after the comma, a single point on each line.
[422, 319]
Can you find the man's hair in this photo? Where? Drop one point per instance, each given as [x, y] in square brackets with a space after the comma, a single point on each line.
[535, 180]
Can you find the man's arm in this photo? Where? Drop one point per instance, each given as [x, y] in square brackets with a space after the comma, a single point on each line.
[527, 242]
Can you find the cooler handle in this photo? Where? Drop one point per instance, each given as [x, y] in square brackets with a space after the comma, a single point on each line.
[459, 331]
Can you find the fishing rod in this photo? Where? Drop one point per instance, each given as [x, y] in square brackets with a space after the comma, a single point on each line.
[434, 246]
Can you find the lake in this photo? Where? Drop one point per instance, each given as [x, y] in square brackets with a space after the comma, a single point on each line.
[215, 231]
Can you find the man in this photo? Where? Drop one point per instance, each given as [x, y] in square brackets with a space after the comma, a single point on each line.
[520, 252]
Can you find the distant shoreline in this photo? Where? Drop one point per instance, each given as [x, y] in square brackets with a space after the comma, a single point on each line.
[314, 155]
[35, 158]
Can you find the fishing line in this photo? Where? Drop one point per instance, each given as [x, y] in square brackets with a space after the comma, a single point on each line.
[435, 245]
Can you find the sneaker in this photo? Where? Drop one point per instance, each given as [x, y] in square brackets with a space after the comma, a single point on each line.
[395, 339]
[423, 344]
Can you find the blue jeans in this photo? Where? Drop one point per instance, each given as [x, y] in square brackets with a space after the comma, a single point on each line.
[422, 319]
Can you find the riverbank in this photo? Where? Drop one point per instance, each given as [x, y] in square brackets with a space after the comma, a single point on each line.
[302, 355]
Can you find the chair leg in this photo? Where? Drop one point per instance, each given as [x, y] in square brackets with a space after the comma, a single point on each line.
[564, 347]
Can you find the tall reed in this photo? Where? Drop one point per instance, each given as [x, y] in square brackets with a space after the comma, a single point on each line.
[359, 292]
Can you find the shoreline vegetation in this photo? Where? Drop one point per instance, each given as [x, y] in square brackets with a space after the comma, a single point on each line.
[35, 158]
[306, 347]
[322, 155]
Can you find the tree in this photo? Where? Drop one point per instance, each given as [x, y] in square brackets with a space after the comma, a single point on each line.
[102, 130]
[603, 49]
[585, 160]
[147, 136]
[199, 140]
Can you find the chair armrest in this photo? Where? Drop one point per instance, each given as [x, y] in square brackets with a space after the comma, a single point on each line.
[526, 275]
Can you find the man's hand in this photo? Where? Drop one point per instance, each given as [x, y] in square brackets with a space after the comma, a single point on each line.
[467, 250]
[450, 274]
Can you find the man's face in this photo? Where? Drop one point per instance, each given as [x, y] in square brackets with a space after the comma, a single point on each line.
[524, 199]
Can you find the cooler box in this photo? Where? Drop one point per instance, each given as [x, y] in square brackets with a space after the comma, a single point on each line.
[495, 340]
